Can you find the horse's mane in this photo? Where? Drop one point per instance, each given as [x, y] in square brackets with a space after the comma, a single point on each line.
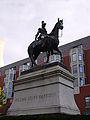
[52, 32]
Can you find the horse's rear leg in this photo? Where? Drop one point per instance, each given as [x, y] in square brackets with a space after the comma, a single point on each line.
[34, 57]
[33, 62]
[31, 57]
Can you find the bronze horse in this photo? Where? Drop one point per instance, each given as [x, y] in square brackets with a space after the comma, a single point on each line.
[51, 43]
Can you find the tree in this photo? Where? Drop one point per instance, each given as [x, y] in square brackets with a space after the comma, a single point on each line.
[2, 98]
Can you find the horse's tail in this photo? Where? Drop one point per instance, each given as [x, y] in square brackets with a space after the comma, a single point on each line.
[29, 50]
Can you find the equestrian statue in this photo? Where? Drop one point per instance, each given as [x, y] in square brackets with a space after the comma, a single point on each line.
[45, 42]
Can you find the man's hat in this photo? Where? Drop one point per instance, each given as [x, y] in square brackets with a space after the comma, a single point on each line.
[43, 23]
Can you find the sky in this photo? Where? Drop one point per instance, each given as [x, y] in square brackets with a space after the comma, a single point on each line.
[20, 20]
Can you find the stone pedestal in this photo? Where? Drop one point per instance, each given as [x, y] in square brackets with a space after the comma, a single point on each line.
[44, 89]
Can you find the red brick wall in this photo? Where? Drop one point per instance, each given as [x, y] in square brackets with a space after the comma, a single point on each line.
[67, 62]
[87, 65]
[17, 72]
[1, 81]
[80, 98]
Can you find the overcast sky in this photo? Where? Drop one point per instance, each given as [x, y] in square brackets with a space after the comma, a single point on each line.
[20, 20]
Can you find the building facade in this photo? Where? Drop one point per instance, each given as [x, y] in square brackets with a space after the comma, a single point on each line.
[76, 57]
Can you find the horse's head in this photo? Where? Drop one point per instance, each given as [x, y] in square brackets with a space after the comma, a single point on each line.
[60, 24]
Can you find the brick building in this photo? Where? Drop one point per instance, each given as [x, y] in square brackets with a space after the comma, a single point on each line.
[76, 57]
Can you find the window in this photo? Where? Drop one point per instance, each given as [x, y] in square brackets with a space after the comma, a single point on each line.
[8, 85]
[5, 90]
[75, 82]
[82, 81]
[24, 67]
[74, 57]
[52, 57]
[28, 64]
[81, 68]
[9, 90]
[9, 93]
[58, 58]
[45, 59]
[87, 101]
[11, 77]
[74, 69]
[80, 56]
[74, 50]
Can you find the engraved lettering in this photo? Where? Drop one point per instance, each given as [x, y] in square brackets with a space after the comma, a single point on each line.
[35, 97]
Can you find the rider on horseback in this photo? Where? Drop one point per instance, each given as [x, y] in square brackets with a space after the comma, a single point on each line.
[42, 33]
